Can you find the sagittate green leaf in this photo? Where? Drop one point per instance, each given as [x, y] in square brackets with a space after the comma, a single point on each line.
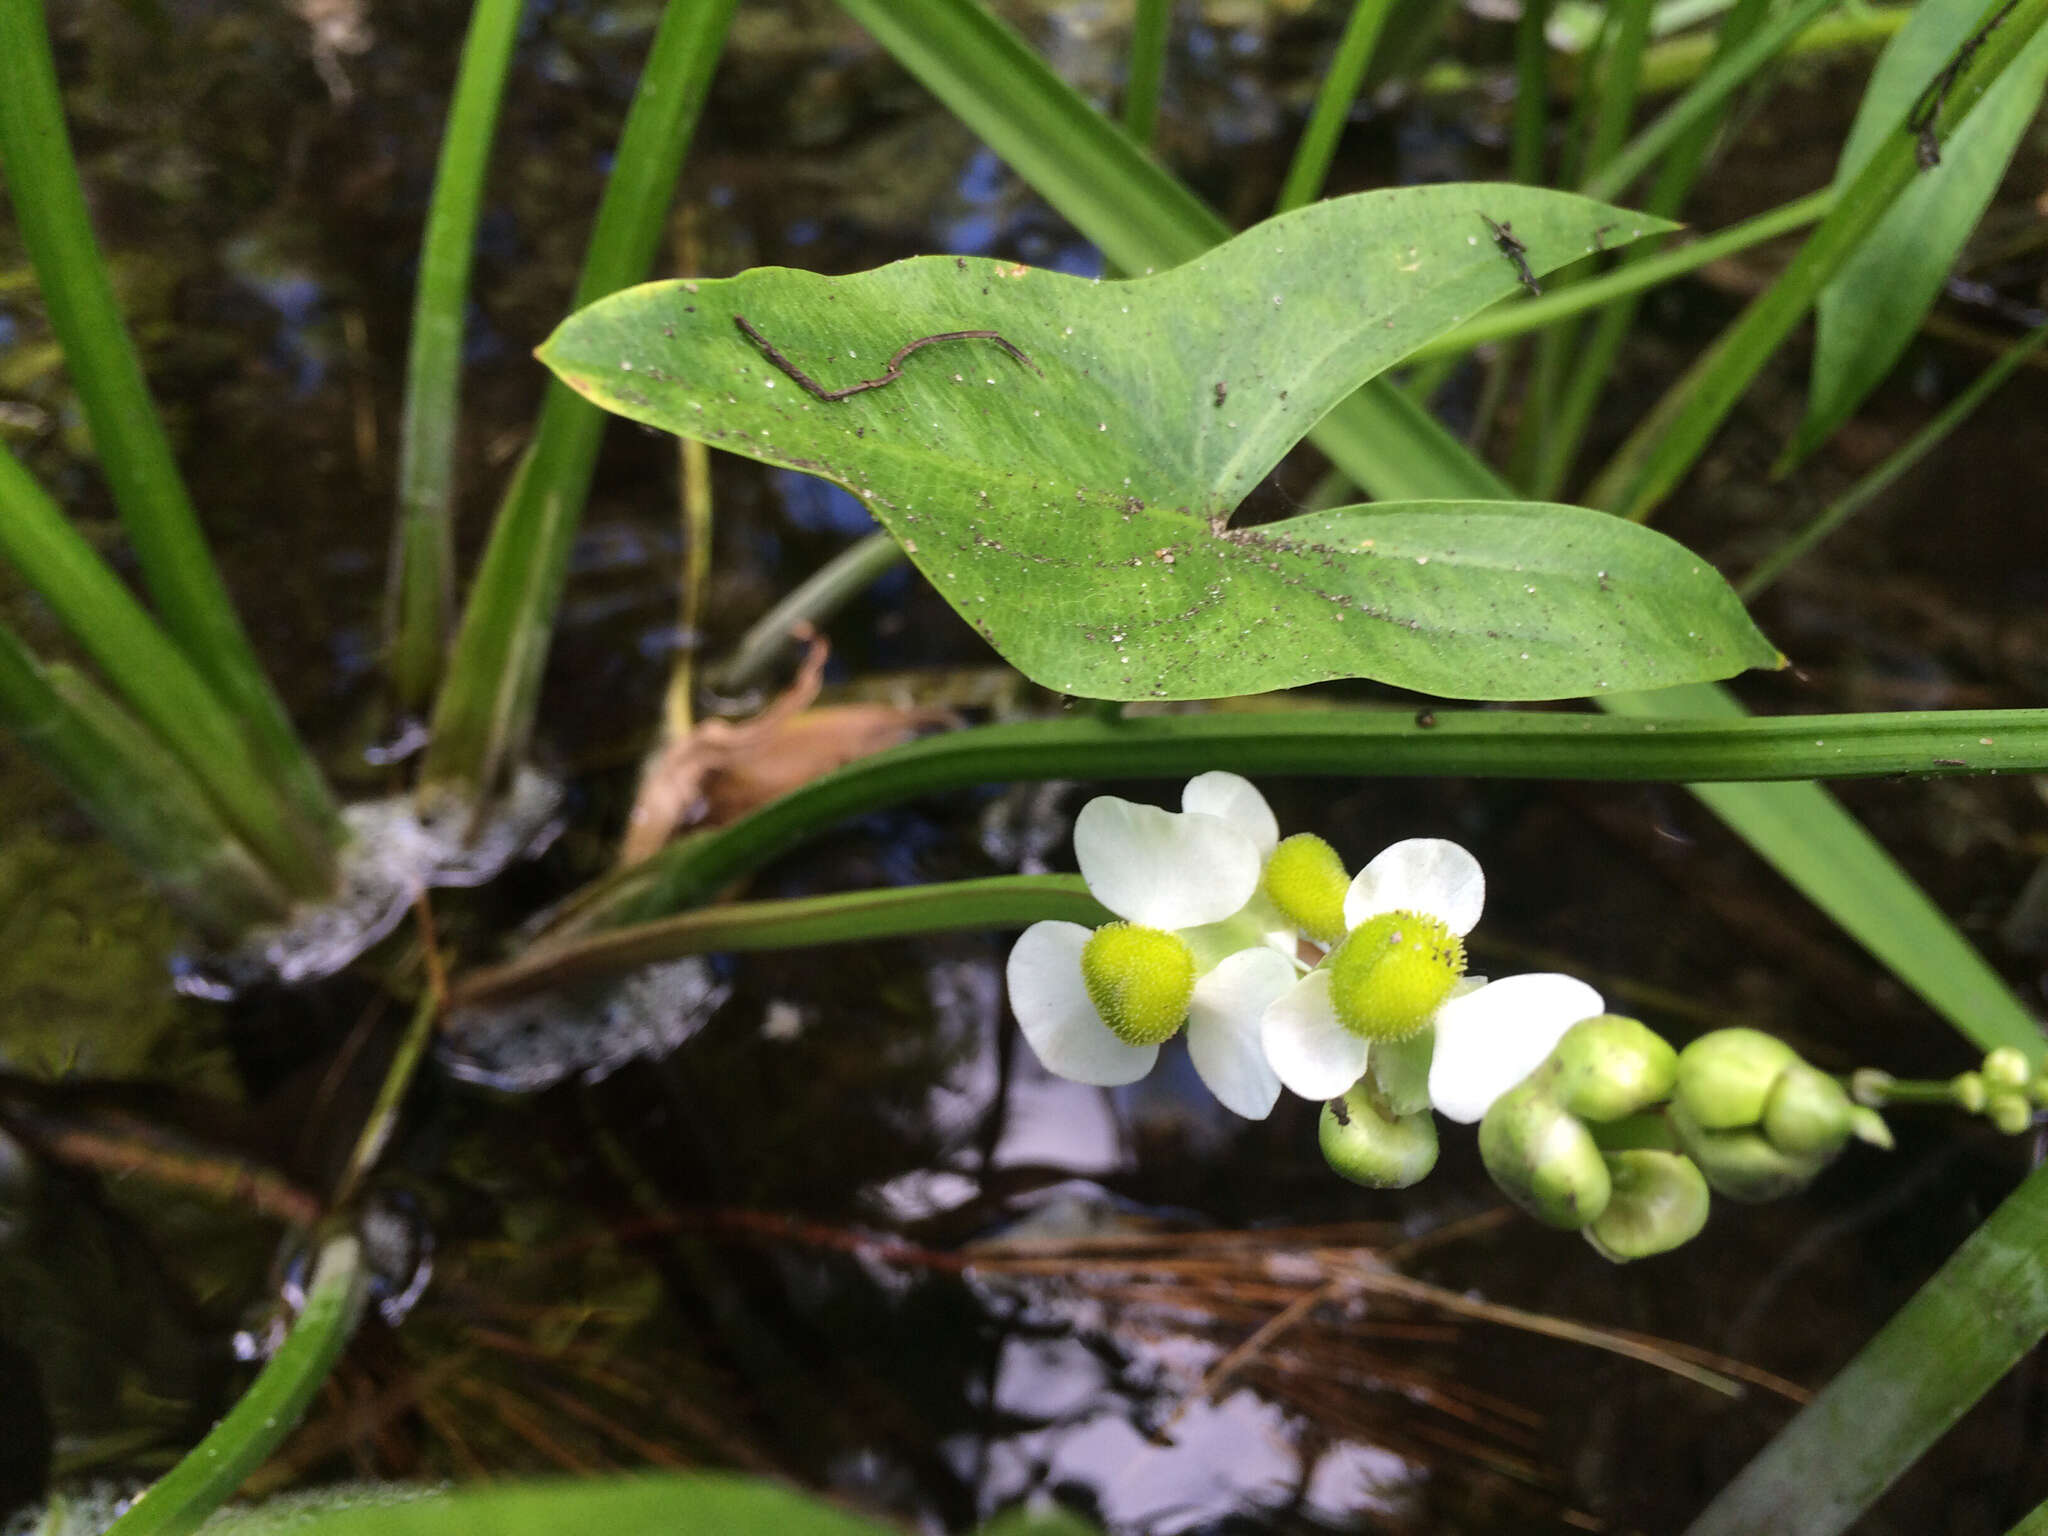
[617, 1506]
[1061, 457]
[1873, 308]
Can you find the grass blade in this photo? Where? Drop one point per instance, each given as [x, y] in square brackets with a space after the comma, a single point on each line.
[1922, 443]
[1521, 316]
[1802, 832]
[136, 793]
[420, 609]
[1669, 440]
[49, 208]
[1313, 152]
[156, 680]
[484, 713]
[1594, 365]
[1963, 1330]
[1147, 68]
[1868, 315]
[1726, 75]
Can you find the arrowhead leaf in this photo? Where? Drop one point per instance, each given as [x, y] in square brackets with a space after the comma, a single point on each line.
[1067, 481]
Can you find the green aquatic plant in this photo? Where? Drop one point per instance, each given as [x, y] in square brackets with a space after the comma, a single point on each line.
[1062, 460]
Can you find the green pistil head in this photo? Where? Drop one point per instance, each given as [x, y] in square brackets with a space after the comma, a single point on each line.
[1389, 977]
[1305, 879]
[1140, 980]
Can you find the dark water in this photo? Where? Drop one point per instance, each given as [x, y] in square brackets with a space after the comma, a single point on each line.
[741, 1254]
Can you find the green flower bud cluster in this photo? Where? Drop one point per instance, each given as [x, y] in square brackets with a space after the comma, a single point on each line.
[2005, 1089]
[1573, 1143]
[1758, 1121]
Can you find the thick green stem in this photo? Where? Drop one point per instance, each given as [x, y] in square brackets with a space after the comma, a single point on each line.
[49, 209]
[212, 1470]
[1348, 744]
[955, 906]
[484, 714]
[420, 610]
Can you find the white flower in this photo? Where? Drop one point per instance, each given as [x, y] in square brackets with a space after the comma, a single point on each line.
[1490, 1038]
[1187, 880]
[1314, 1052]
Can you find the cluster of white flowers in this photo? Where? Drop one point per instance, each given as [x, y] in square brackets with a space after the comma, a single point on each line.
[1284, 973]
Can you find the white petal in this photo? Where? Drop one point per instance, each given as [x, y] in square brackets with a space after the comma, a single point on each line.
[1489, 1040]
[1223, 1029]
[1051, 1004]
[1422, 874]
[1308, 1047]
[1238, 802]
[1161, 868]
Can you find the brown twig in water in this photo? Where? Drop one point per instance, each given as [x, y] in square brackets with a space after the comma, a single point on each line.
[895, 369]
[122, 1149]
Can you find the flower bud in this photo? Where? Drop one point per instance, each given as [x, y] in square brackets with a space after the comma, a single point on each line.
[1968, 1087]
[1660, 1203]
[1742, 1164]
[1543, 1158]
[2006, 1067]
[1868, 1126]
[1808, 1113]
[1609, 1067]
[1724, 1078]
[2009, 1111]
[1367, 1145]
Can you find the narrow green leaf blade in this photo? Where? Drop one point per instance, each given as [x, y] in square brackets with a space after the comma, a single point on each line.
[1872, 309]
[1963, 1330]
[1804, 833]
[1073, 503]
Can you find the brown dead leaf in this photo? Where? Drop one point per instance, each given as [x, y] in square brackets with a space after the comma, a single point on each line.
[722, 770]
